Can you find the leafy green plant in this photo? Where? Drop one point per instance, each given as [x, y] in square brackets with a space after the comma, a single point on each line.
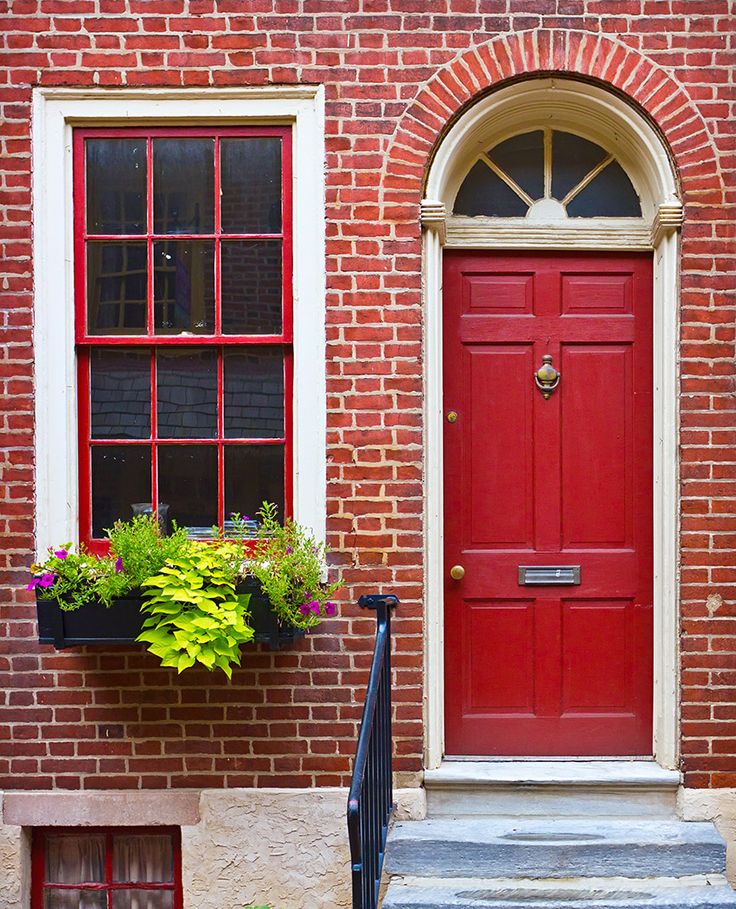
[76, 578]
[143, 549]
[194, 613]
[290, 564]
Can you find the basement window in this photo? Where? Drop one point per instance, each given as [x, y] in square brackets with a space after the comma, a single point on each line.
[95, 868]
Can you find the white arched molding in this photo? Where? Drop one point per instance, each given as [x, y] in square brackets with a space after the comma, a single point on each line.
[606, 119]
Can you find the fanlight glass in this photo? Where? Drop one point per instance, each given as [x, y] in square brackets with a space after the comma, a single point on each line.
[535, 173]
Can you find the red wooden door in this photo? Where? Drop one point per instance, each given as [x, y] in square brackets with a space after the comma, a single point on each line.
[548, 670]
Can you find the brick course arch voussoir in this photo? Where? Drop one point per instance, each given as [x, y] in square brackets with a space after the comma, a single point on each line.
[546, 52]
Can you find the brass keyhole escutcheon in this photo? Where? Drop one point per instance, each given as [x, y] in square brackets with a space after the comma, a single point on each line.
[457, 572]
[452, 416]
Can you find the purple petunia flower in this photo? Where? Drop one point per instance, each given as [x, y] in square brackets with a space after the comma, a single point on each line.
[46, 580]
[34, 583]
[330, 608]
[289, 550]
[314, 606]
[119, 564]
[304, 608]
[61, 553]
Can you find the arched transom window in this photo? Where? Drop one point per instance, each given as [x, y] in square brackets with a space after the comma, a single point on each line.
[547, 175]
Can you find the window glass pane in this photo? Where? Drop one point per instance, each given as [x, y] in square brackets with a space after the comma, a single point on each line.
[183, 186]
[142, 899]
[121, 477]
[184, 286]
[187, 483]
[609, 195]
[121, 393]
[251, 186]
[522, 159]
[572, 159]
[116, 288]
[142, 858]
[75, 859]
[116, 186]
[254, 394]
[74, 899]
[484, 193]
[251, 287]
[187, 394]
[253, 474]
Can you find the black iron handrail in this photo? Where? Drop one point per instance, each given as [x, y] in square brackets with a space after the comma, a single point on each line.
[370, 801]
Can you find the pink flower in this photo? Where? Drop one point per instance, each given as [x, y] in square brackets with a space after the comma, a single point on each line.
[304, 608]
[61, 553]
[119, 564]
[314, 606]
[46, 580]
[34, 583]
[330, 608]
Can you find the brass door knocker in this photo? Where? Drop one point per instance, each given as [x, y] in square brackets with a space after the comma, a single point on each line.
[547, 377]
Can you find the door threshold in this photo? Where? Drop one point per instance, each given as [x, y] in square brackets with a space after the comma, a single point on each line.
[495, 758]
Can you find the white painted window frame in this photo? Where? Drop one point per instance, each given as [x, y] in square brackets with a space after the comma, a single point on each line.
[55, 112]
[607, 119]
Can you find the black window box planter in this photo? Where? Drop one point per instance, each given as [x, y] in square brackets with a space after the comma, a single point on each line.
[121, 623]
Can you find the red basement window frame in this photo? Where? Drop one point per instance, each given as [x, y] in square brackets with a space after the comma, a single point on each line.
[183, 324]
[106, 868]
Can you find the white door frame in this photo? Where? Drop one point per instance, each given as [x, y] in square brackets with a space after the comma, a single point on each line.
[607, 119]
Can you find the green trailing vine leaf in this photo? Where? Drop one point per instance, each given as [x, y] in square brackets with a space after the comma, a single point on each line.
[194, 613]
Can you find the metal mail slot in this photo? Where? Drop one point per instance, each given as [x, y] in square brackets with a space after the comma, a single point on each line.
[549, 575]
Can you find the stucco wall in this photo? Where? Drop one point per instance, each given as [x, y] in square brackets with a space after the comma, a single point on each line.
[15, 876]
[286, 848]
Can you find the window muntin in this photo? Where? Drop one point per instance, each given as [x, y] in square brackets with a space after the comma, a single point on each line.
[183, 323]
[93, 868]
[546, 174]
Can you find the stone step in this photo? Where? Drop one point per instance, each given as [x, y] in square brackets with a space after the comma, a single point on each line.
[554, 848]
[552, 788]
[610, 893]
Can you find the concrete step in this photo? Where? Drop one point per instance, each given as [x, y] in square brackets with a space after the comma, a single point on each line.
[552, 788]
[610, 893]
[554, 848]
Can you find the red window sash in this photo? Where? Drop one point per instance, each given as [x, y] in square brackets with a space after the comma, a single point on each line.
[86, 342]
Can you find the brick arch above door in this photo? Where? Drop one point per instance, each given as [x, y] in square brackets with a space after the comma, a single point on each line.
[546, 52]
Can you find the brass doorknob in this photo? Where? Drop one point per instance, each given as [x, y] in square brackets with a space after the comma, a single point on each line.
[457, 572]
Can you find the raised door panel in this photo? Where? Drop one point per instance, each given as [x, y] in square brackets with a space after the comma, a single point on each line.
[596, 446]
[498, 445]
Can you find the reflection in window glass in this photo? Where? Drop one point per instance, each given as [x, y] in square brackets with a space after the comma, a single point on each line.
[187, 483]
[251, 185]
[74, 899]
[187, 394]
[142, 899]
[116, 186]
[253, 474]
[522, 158]
[121, 393]
[484, 193]
[251, 287]
[121, 477]
[254, 394]
[572, 158]
[183, 186]
[116, 288]
[609, 195]
[184, 286]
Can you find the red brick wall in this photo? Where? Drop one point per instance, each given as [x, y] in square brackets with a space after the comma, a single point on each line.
[394, 74]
